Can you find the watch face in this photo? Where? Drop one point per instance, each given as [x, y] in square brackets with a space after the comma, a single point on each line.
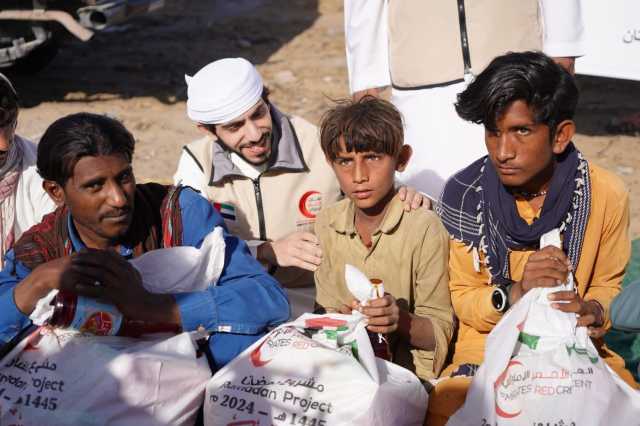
[498, 299]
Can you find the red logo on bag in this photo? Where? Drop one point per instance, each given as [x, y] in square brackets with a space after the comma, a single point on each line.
[499, 381]
[99, 324]
[324, 322]
[255, 356]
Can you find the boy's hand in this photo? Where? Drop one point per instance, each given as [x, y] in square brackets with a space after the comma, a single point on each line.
[548, 267]
[589, 312]
[299, 249]
[348, 309]
[382, 314]
[413, 199]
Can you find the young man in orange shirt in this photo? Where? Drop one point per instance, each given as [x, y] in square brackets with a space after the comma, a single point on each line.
[496, 209]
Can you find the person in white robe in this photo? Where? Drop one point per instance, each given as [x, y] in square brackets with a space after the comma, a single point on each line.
[377, 30]
[23, 201]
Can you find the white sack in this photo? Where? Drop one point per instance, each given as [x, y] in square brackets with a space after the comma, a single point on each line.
[288, 378]
[166, 271]
[539, 368]
[117, 380]
[63, 377]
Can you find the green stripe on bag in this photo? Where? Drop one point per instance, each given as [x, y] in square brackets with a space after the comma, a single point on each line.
[528, 339]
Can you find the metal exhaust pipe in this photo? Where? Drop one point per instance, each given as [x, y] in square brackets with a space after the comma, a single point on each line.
[100, 16]
[49, 15]
[109, 13]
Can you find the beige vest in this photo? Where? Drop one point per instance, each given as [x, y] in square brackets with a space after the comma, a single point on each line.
[424, 37]
[290, 198]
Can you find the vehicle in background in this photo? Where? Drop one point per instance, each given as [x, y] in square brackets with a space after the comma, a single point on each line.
[30, 29]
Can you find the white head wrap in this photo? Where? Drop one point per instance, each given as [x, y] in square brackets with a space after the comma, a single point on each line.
[222, 91]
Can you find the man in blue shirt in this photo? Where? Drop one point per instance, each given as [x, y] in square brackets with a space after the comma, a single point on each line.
[103, 218]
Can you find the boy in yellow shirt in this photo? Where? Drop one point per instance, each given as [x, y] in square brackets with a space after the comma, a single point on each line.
[370, 229]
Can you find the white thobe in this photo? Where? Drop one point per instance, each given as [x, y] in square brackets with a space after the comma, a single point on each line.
[442, 142]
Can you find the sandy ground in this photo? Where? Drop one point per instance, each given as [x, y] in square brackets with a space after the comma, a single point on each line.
[135, 73]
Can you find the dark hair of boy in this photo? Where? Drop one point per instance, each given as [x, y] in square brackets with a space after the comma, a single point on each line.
[370, 124]
[8, 103]
[548, 89]
[70, 138]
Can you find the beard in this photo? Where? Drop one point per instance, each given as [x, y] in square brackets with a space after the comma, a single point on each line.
[264, 141]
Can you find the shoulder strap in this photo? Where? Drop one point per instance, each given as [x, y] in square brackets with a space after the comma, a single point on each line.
[172, 218]
[45, 241]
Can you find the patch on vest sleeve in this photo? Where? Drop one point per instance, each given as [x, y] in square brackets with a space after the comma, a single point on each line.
[227, 211]
[310, 204]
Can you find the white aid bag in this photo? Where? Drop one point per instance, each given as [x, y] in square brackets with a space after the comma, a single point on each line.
[331, 378]
[166, 271]
[540, 368]
[65, 377]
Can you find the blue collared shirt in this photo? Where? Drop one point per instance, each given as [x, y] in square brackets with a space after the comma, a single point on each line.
[238, 310]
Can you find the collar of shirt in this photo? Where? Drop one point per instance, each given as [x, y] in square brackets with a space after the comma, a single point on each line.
[526, 212]
[249, 170]
[78, 244]
[344, 221]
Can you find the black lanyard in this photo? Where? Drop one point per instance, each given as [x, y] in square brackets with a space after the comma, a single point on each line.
[464, 39]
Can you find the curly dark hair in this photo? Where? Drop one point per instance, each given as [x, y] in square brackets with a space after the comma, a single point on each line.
[547, 88]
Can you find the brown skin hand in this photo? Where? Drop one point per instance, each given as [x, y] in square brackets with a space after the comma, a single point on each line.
[549, 267]
[386, 317]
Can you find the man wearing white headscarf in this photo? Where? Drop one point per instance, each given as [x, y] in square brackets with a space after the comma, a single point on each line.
[264, 171]
[23, 201]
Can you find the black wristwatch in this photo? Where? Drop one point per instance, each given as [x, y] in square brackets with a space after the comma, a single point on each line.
[500, 298]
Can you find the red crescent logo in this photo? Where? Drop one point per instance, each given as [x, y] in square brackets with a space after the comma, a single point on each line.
[302, 205]
[324, 322]
[255, 356]
[499, 411]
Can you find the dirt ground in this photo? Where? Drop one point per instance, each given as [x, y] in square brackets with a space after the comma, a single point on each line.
[135, 73]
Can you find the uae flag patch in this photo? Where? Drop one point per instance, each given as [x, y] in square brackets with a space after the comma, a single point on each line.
[227, 211]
